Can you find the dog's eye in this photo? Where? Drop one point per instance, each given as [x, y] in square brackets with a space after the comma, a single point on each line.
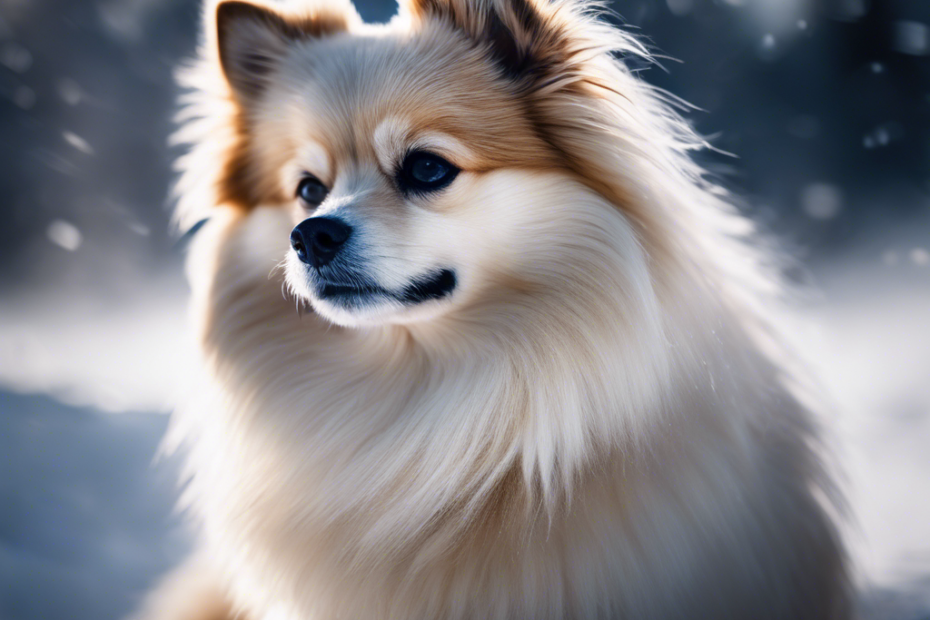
[425, 172]
[311, 191]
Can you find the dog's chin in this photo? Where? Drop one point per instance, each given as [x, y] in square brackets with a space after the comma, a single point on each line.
[369, 304]
[357, 310]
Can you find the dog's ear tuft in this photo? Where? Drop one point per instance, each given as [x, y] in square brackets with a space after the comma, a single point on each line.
[253, 37]
[524, 37]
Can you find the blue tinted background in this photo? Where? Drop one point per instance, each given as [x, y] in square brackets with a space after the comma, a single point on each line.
[826, 103]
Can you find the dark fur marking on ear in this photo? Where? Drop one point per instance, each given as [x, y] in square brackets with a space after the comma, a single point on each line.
[256, 64]
[509, 33]
[244, 10]
[527, 18]
[516, 48]
[517, 60]
[514, 61]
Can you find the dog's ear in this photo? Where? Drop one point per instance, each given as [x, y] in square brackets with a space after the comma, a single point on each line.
[252, 37]
[527, 38]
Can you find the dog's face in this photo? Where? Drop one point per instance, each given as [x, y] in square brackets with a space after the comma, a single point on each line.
[412, 168]
[395, 174]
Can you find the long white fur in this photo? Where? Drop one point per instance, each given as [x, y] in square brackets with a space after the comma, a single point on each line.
[636, 407]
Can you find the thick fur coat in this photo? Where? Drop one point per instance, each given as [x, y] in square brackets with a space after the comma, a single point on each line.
[586, 415]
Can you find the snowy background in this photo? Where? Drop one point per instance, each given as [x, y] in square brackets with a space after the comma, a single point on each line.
[825, 102]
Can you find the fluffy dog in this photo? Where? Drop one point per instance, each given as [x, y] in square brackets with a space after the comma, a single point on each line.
[530, 373]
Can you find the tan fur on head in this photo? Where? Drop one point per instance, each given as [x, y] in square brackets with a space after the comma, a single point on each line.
[595, 421]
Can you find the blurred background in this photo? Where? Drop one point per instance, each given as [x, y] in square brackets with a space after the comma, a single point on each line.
[825, 103]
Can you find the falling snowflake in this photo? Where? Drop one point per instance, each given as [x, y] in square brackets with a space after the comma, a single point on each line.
[912, 38]
[69, 91]
[15, 57]
[822, 201]
[882, 136]
[680, 8]
[78, 142]
[65, 235]
[850, 10]
[140, 229]
[920, 257]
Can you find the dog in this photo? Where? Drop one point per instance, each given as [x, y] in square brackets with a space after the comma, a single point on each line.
[479, 338]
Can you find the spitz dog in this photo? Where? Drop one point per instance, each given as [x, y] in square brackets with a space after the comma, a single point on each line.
[480, 340]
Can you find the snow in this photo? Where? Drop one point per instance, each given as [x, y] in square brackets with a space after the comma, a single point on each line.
[87, 521]
[120, 355]
[872, 352]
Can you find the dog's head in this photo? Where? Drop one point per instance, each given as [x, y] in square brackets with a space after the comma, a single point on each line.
[421, 159]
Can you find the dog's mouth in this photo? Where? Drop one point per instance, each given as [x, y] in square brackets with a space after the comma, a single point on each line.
[437, 285]
[328, 290]
[432, 286]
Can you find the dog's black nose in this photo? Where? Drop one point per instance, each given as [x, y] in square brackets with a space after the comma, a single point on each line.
[317, 240]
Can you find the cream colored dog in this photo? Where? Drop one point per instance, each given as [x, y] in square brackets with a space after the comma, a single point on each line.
[533, 378]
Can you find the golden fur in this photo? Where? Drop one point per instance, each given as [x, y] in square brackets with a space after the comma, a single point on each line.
[598, 422]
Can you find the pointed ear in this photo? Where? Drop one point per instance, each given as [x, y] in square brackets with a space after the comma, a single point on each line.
[253, 37]
[527, 38]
